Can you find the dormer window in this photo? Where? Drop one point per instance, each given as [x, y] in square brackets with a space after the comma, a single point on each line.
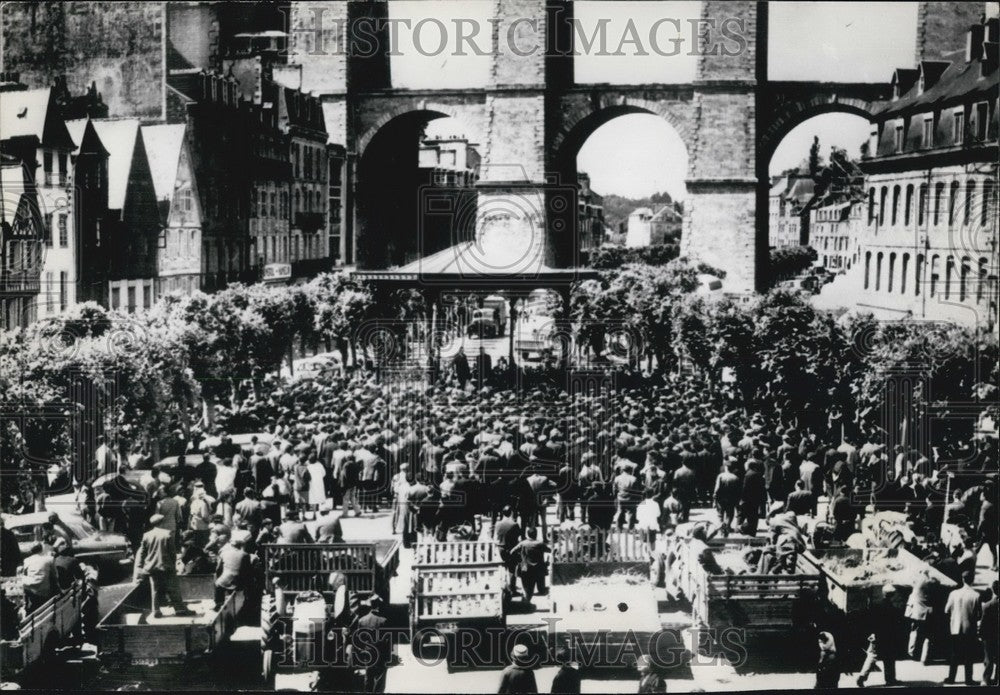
[958, 127]
[898, 138]
[927, 139]
[982, 110]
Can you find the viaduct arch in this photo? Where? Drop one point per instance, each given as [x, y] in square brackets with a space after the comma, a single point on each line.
[531, 114]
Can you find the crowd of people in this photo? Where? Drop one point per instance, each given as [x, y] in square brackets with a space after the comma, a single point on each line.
[465, 457]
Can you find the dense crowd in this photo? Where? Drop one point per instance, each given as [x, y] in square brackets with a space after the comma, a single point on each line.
[469, 455]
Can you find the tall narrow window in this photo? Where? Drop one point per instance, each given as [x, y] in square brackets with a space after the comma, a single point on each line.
[883, 194]
[895, 204]
[903, 271]
[981, 280]
[922, 204]
[918, 275]
[958, 127]
[868, 267]
[927, 141]
[892, 272]
[982, 120]
[970, 188]
[949, 276]
[63, 290]
[952, 202]
[935, 271]
[963, 278]
[909, 205]
[63, 231]
[878, 271]
[871, 206]
[938, 200]
[898, 138]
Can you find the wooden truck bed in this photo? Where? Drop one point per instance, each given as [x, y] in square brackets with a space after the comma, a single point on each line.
[855, 577]
[457, 583]
[601, 593]
[42, 630]
[129, 631]
[367, 565]
[745, 599]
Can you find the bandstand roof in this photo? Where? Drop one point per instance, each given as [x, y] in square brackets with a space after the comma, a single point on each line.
[463, 265]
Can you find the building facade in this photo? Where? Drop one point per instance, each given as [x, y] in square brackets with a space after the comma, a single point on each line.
[133, 216]
[90, 207]
[647, 227]
[35, 134]
[788, 210]
[178, 262]
[21, 244]
[930, 239]
[590, 217]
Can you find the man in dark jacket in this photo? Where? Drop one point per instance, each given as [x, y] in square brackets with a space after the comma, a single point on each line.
[532, 566]
[727, 496]
[372, 645]
[157, 560]
[10, 551]
[206, 472]
[518, 677]
[292, 530]
[753, 499]
[567, 678]
[461, 364]
[989, 633]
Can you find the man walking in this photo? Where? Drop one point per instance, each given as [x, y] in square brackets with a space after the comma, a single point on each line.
[964, 609]
[531, 552]
[157, 560]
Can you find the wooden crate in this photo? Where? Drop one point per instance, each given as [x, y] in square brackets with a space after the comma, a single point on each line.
[597, 545]
[685, 570]
[367, 566]
[456, 553]
[450, 592]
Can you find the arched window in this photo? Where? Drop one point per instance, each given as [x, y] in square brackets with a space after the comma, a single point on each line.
[871, 205]
[935, 270]
[970, 188]
[981, 284]
[878, 271]
[903, 271]
[298, 202]
[895, 204]
[963, 278]
[909, 205]
[892, 272]
[952, 202]
[938, 200]
[949, 276]
[918, 275]
[883, 194]
[922, 204]
[868, 267]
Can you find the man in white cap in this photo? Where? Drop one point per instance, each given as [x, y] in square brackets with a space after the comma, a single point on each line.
[518, 677]
[157, 559]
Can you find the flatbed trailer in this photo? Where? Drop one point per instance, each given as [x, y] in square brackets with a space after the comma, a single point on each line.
[852, 596]
[757, 603]
[42, 631]
[603, 599]
[130, 632]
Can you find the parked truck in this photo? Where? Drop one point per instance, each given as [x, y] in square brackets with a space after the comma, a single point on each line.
[41, 632]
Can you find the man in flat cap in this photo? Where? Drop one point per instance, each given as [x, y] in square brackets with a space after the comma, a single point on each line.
[157, 560]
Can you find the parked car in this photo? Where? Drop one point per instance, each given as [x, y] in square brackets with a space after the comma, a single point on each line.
[103, 550]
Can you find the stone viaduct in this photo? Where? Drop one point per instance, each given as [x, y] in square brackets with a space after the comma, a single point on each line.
[532, 119]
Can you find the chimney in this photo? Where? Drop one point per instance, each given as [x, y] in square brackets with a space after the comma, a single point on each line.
[974, 42]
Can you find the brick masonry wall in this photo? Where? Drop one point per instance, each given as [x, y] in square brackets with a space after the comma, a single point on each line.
[941, 28]
[115, 44]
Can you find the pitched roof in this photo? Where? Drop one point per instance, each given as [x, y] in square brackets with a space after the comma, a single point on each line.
[163, 149]
[957, 82]
[23, 113]
[119, 138]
